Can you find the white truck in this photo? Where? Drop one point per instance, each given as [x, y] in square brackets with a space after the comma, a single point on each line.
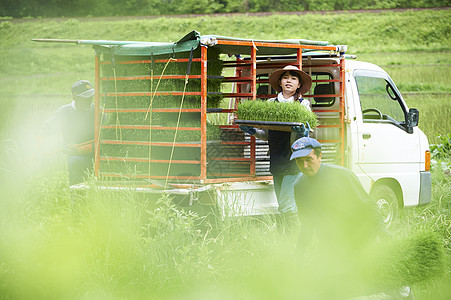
[365, 125]
[381, 141]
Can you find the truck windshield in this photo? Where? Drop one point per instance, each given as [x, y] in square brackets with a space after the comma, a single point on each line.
[378, 100]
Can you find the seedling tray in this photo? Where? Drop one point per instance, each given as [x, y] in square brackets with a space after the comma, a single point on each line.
[280, 126]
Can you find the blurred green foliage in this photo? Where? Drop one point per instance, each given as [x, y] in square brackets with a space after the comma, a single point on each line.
[443, 149]
[58, 244]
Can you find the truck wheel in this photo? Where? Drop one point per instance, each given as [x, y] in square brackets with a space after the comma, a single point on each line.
[387, 203]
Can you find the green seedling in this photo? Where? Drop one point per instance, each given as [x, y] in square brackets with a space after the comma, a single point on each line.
[276, 112]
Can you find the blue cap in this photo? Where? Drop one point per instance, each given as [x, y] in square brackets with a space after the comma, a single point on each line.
[83, 89]
[303, 146]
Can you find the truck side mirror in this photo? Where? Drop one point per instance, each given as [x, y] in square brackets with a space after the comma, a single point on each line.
[412, 119]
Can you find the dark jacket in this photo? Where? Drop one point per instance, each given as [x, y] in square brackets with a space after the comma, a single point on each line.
[333, 205]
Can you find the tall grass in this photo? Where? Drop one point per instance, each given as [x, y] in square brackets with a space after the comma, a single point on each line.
[433, 218]
[435, 114]
[363, 33]
[407, 58]
[421, 78]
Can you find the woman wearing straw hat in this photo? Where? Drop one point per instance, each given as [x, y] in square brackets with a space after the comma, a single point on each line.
[290, 83]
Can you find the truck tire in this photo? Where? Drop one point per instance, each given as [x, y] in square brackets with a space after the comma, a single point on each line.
[387, 203]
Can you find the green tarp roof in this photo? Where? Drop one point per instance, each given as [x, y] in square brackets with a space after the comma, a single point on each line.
[191, 41]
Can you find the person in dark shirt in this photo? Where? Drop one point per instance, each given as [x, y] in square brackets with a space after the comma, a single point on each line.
[333, 205]
[75, 122]
[290, 83]
[340, 226]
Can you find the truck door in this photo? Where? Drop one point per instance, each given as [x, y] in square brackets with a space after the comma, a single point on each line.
[387, 147]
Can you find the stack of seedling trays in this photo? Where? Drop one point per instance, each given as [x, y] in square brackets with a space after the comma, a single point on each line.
[141, 114]
[274, 115]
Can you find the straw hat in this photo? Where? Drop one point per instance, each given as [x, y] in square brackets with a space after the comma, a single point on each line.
[306, 80]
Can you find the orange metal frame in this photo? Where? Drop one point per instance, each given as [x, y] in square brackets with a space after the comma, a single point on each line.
[239, 64]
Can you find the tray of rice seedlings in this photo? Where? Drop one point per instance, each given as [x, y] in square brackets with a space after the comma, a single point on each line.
[274, 115]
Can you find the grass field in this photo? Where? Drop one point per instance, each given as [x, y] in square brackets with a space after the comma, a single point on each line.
[121, 246]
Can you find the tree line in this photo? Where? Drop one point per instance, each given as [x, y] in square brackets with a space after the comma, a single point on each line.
[99, 8]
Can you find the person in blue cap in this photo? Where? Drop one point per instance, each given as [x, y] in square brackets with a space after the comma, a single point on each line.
[332, 203]
[290, 83]
[75, 122]
[340, 223]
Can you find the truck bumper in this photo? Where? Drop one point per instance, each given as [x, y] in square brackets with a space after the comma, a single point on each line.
[233, 199]
[425, 188]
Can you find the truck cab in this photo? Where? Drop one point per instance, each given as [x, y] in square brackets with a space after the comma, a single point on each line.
[388, 152]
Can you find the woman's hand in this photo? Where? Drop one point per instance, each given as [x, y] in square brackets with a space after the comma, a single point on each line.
[248, 129]
[302, 130]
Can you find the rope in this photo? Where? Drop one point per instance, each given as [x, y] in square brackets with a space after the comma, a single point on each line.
[149, 109]
[150, 125]
[253, 45]
[118, 123]
[97, 142]
[156, 88]
[176, 130]
[178, 118]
